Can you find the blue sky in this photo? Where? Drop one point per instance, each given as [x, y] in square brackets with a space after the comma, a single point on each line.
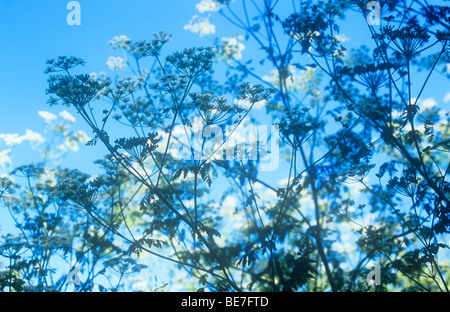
[32, 32]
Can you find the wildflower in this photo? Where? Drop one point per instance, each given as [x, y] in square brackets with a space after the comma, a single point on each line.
[116, 62]
[307, 27]
[200, 25]
[11, 139]
[4, 157]
[12, 249]
[75, 90]
[214, 110]
[407, 184]
[407, 40]
[47, 116]
[138, 149]
[63, 63]
[232, 48]
[81, 136]
[373, 76]
[120, 42]
[67, 116]
[69, 145]
[207, 6]
[192, 62]
[33, 137]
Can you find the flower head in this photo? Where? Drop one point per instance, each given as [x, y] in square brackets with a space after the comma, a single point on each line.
[116, 62]
[407, 40]
[200, 25]
[120, 42]
[47, 116]
[207, 6]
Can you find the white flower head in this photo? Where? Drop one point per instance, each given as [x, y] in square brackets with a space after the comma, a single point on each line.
[67, 116]
[5, 159]
[200, 25]
[120, 42]
[446, 97]
[47, 116]
[342, 38]
[33, 137]
[232, 48]
[428, 103]
[69, 145]
[207, 6]
[116, 62]
[11, 139]
[81, 136]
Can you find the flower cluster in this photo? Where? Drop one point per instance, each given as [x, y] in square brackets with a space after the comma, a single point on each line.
[232, 48]
[296, 125]
[192, 62]
[138, 149]
[407, 40]
[214, 110]
[116, 62]
[75, 90]
[307, 27]
[373, 76]
[200, 25]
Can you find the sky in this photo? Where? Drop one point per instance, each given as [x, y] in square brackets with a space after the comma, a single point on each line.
[32, 32]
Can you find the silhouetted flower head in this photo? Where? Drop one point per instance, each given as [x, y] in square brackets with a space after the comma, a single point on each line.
[63, 63]
[407, 40]
[192, 62]
[370, 75]
[214, 110]
[407, 184]
[139, 149]
[296, 125]
[74, 90]
[12, 249]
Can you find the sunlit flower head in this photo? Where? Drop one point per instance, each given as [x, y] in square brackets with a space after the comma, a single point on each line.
[47, 116]
[207, 6]
[5, 159]
[120, 42]
[33, 137]
[116, 62]
[232, 48]
[200, 25]
[67, 116]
